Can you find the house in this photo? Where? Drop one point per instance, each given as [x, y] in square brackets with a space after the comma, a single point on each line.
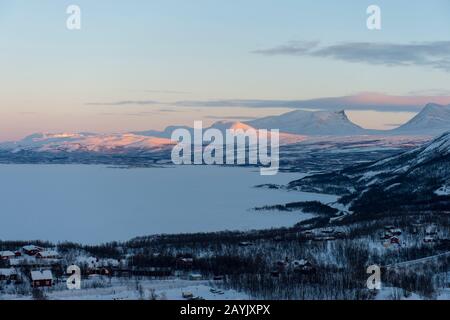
[41, 278]
[187, 295]
[328, 231]
[6, 255]
[393, 231]
[307, 234]
[47, 255]
[302, 266]
[386, 236]
[31, 249]
[340, 234]
[245, 244]
[282, 264]
[429, 239]
[275, 273]
[8, 274]
[185, 262]
[100, 271]
[394, 240]
[324, 238]
[195, 276]
[431, 230]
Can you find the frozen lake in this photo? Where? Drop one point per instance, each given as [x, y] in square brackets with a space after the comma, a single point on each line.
[92, 204]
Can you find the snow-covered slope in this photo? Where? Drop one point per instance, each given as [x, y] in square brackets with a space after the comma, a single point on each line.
[285, 138]
[222, 126]
[411, 180]
[434, 119]
[85, 142]
[310, 123]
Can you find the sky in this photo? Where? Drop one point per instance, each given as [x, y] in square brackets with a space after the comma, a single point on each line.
[146, 64]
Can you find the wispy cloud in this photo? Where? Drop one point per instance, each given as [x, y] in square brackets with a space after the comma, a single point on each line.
[124, 103]
[360, 101]
[231, 117]
[167, 91]
[430, 92]
[434, 54]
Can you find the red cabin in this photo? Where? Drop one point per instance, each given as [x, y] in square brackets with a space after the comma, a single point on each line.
[41, 279]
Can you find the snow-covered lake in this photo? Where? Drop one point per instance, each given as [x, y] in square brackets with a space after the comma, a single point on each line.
[92, 204]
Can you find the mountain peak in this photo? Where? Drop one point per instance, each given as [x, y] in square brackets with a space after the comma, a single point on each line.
[433, 119]
[236, 125]
[311, 123]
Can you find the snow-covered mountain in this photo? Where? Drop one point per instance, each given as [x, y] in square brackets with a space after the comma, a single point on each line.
[434, 119]
[222, 126]
[417, 179]
[325, 123]
[85, 142]
[284, 138]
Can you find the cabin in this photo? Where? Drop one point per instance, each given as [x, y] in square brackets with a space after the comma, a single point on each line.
[47, 255]
[394, 240]
[245, 244]
[99, 271]
[281, 265]
[185, 262]
[429, 239]
[31, 250]
[41, 279]
[386, 236]
[278, 239]
[340, 234]
[302, 266]
[6, 255]
[307, 234]
[275, 273]
[195, 277]
[324, 238]
[187, 295]
[9, 274]
[328, 231]
[431, 230]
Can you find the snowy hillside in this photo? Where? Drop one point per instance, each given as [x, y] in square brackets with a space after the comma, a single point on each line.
[81, 142]
[415, 179]
[311, 123]
[434, 119]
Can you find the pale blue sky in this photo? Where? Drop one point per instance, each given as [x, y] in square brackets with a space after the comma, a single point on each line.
[169, 50]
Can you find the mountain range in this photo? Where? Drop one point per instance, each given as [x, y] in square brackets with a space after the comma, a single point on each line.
[415, 180]
[434, 119]
[295, 127]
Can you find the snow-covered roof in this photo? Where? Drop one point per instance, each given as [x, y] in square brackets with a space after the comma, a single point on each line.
[31, 247]
[6, 254]
[8, 272]
[49, 253]
[14, 262]
[93, 262]
[41, 275]
[301, 262]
